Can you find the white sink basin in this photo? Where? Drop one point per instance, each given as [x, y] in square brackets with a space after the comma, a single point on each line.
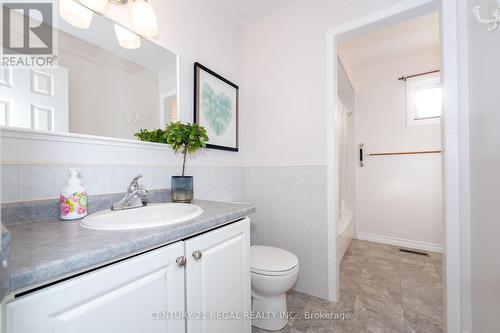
[150, 216]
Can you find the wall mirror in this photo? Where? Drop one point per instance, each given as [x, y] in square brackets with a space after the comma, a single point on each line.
[98, 87]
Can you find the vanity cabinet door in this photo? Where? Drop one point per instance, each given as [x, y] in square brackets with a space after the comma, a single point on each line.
[218, 280]
[128, 297]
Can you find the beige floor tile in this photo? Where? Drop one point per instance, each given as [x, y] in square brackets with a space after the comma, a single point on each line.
[382, 290]
[418, 323]
[379, 317]
[375, 276]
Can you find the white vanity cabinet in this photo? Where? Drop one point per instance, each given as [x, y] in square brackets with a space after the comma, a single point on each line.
[218, 280]
[142, 293]
[118, 298]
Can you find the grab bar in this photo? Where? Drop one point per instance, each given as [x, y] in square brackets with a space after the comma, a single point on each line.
[407, 153]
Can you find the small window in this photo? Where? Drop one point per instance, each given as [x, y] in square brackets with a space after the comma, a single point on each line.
[424, 100]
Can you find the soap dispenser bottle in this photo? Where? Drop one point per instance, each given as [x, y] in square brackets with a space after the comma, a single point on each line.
[73, 200]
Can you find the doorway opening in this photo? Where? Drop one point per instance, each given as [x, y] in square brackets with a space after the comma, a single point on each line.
[390, 174]
[389, 133]
[455, 291]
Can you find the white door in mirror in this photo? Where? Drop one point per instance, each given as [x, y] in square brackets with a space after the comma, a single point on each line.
[151, 216]
[35, 98]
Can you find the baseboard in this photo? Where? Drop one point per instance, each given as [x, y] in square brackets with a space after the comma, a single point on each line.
[430, 247]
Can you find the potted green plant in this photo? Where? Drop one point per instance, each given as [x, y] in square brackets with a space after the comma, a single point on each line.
[184, 138]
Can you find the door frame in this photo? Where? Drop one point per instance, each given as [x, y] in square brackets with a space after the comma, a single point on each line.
[455, 145]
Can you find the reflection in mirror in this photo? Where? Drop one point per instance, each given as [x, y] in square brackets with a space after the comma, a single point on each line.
[98, 87]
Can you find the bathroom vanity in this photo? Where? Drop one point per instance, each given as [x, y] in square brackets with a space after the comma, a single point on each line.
[158, 280]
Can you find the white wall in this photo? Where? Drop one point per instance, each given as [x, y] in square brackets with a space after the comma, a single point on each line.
[285, 130]
[398, 197]
[285, 66]
[484, 73]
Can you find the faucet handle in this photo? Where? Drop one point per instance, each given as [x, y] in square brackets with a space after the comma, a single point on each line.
[136, 196]
[136, 178]
[144, 195]
[134, 184]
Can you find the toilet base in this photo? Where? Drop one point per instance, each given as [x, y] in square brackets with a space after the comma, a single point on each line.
[270, 313]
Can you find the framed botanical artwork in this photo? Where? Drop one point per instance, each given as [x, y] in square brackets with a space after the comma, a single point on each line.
[216, 108]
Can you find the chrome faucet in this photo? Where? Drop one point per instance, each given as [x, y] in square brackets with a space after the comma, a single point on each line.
[135, 197]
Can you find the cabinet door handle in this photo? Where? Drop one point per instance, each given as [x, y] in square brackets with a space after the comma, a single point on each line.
[197, 254]
[181, 261]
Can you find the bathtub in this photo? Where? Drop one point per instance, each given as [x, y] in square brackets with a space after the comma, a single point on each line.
[344, 233]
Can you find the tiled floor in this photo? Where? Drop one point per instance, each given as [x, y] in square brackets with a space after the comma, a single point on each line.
[382, 289]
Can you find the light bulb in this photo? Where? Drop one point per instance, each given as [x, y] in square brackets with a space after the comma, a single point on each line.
[97, 5]
[144, 18]
[75, 14]
[126, 38]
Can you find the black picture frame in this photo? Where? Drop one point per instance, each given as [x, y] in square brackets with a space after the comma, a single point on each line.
[196, 109]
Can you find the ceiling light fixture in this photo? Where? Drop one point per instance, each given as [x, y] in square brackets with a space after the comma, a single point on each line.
[144, 18]
[126, 38]
[75, 14]
[97, 5]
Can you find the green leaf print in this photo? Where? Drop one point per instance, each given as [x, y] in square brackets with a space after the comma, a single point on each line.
[217, 109]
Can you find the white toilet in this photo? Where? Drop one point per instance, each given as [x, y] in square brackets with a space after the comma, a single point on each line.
[274, 272]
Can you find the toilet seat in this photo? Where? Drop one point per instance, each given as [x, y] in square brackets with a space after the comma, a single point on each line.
[271, 273]
[272, 261]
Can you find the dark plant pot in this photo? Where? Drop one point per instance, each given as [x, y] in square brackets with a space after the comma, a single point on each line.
[181, 189]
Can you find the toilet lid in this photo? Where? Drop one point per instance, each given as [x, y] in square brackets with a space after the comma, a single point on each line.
[272, 259]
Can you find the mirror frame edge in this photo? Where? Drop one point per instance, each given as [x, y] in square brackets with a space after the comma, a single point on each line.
[31, 134]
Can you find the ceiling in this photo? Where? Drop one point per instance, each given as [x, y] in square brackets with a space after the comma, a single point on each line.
[379, 46]
[248, 11]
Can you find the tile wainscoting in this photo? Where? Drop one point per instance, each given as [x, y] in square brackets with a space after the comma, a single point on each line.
[291, 214]
[291, 201]
[38, 182]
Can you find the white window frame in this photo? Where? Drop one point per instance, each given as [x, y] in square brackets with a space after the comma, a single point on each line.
[412, 86]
